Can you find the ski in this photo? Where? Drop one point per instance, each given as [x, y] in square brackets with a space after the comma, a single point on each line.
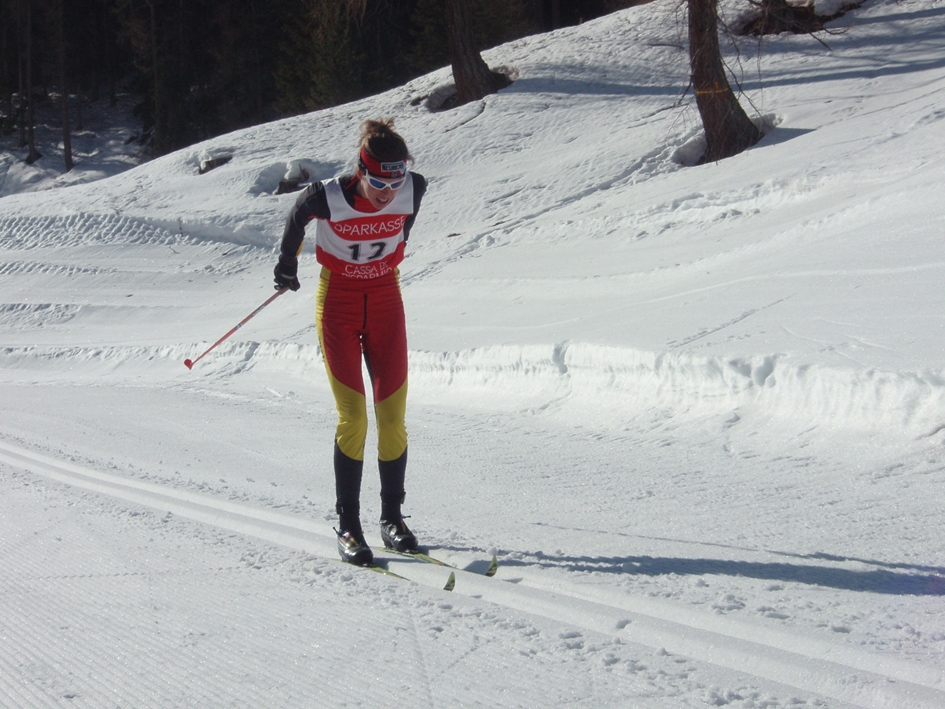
[493, 567]
[381, 570]
[422, 556]
[373, 567]
[450, 582]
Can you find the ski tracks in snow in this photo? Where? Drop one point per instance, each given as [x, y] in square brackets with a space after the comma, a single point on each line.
[841, 673]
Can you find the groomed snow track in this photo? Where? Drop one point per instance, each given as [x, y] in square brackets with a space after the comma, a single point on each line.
[838, 672]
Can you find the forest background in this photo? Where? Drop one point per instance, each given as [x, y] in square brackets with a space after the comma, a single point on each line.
[202, 68]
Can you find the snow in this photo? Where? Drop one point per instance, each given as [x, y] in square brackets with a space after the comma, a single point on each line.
[698, 412]
[103, 145]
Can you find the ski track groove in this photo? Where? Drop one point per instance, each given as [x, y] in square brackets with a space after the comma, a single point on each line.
[30, 233]
[34, 268]
[85, 678]
[89, 685]
[17, 696]
[422, 660]
[82, 230]
[841, 672]
[54, 674]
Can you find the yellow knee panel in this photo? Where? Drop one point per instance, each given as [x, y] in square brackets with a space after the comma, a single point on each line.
[391, 427]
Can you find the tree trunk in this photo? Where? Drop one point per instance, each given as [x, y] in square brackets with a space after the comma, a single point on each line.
[472, 77]
[549, 14]
[257, 80]
[33, 155]
[64, 94]
[157, 91]
[18, 42]
[21, 75]
[79, 121]
[108, 33]
[728, 130]
[7, 72]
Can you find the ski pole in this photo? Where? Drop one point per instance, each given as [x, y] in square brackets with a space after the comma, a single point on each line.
[189, 363]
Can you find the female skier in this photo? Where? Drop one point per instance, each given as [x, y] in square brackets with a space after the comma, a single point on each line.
[363, 221]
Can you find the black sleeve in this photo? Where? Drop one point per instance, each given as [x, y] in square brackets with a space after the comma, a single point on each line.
[311, 204]
[419, 189]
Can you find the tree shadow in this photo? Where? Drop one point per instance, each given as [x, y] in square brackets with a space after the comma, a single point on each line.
[911, 15]
[777, 135]
[880, 55]
[883, 55]
[895, 579]
[572, 86]
[883, 580]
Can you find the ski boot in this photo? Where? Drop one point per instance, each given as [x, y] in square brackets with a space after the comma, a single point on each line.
[353, 549]
[397, 536]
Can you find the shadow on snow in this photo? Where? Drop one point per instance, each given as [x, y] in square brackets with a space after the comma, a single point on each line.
[891, 578]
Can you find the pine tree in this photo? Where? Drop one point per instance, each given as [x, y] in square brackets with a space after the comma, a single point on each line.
[321, 59]
[63, 90]
[33, 154]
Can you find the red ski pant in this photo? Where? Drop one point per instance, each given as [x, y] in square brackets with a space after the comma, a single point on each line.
[365, 318]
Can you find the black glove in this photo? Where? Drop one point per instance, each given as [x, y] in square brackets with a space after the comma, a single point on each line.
[285, 274]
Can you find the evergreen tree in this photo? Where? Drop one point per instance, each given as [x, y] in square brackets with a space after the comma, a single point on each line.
[202, 67]
[33, 154]
[321, 58]
[63, 88]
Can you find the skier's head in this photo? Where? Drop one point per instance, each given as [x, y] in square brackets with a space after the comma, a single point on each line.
[383, 152]
[382, 161]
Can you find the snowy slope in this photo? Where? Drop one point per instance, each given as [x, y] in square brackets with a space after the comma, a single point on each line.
[697, 412]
